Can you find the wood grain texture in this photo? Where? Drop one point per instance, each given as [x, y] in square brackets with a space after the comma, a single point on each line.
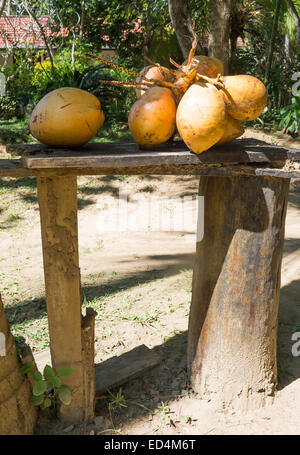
[58, 210]
[118, 155]
[233, 317]
[119, 370]
[289, 169]
[17, 415]
[241, 157]
[88, 354]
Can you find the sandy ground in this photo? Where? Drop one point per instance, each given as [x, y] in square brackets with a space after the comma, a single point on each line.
[140, 284]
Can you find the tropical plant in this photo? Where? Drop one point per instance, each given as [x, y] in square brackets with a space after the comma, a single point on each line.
[290, 121]
[48, 388]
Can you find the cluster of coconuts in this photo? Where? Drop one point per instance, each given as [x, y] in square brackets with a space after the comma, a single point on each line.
[206, 107]
[205, 112]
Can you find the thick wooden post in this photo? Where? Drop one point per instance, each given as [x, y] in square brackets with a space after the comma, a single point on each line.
[236, 285]
[58, 210]
[17, 415]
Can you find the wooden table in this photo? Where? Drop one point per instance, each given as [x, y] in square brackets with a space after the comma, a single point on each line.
[236, 281]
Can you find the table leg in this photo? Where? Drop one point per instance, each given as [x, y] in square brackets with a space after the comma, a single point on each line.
[58, 211]
[236, 285]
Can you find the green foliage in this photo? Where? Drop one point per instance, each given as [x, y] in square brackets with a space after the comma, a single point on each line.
[290, 121]
[29, 81]
[165, 46]
[251, 59]
[47, 387]
[8, 107]
[14, 131]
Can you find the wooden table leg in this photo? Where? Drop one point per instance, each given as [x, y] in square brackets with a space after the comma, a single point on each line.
[58, 211]
[236, 285]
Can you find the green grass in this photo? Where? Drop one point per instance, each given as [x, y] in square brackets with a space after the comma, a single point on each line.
[124, 299]
[14, 131]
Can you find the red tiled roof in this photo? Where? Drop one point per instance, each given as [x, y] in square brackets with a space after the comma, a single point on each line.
[22, 31]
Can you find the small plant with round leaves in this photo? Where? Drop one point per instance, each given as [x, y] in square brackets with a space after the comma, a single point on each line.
[47, 388]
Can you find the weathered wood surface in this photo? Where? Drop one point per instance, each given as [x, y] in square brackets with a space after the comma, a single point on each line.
[241, 157]
[15, 169]
[58, 211]
[233, 317]
[118, 155]
[88, 354]
[118, 370]
[17, 415]
[125, 154]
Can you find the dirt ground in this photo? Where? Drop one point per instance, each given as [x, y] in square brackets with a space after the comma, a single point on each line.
[140, 285]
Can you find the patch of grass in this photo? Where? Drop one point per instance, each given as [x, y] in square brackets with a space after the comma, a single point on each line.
[14, 131]
[187, 277]
[13, 217]
[36, 332]
[113, 132]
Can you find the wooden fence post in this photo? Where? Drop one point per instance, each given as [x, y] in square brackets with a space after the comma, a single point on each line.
[17, 415]
[58, 210]
[236, 285]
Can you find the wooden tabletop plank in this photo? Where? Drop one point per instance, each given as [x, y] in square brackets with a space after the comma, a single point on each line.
[241, 157]
[120, 155]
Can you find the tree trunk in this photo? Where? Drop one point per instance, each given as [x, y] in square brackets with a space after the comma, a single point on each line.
[182, 23]
[2, 6]
[296, 17]
[82, 19]
[218, 43]
[17, 415]
[287, 49]
[236, 285]
[272, 41]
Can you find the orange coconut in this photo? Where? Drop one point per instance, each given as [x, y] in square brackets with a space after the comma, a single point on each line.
[233, 129]
[152, 117]
[208, 66]
[245, 96]
[66, 117]
[153, 72]
[201, 117]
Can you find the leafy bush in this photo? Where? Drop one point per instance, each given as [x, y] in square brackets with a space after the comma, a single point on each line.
[8, 107]
[116, 101]
[290, 121]
[29, 80]
[252, 59]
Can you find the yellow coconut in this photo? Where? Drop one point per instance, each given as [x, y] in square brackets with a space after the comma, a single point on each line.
[152, 117]
[66, 117]
[233, 129]
[208, 66]
[245, 96]
[154, 72]
[201, 117]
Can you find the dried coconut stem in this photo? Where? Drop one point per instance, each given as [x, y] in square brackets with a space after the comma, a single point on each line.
[217, 82]
[142, 86]
[155, 81]
[175, 63]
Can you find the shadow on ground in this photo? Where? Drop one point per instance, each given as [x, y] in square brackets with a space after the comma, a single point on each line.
[106, 286]
[289, 323]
